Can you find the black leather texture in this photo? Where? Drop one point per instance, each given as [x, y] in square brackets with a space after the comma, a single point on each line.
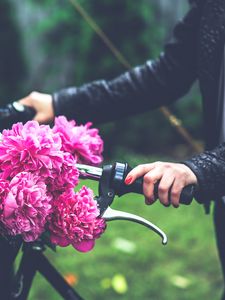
[209, 168]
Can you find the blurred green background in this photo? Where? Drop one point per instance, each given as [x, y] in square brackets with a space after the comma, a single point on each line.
[46, 46]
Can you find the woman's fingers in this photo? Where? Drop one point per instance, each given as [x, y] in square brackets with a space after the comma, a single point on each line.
[137, 172]
[175, 192]
[149, 181]
[171, 178]
[165, 186]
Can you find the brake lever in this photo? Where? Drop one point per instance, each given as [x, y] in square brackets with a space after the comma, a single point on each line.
[112, 214]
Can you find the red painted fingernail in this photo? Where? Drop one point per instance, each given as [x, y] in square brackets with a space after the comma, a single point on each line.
[128, 180]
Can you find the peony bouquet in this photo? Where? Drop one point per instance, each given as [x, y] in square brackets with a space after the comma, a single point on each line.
[38, 175]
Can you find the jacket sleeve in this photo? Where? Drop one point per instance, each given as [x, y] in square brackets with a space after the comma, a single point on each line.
[209, 168]
[156, 83]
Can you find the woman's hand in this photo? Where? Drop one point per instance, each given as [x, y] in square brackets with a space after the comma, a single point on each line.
[42, 103]
[172, 177]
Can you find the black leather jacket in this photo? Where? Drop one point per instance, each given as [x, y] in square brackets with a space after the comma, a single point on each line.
[194, 53]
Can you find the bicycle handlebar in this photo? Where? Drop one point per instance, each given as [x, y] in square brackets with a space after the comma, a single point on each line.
[120, 173]
[15, 112]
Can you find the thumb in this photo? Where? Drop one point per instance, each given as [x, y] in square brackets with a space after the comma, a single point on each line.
[25, 101]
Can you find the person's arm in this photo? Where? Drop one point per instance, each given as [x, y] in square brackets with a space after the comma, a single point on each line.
[206, 170]
[157, 82]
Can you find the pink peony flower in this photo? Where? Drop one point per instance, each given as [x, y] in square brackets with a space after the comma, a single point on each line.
[26, 207]
[75, 220]
[66, 178]
[82, 141]
[30, 147]
[4, 189]
[37, 178]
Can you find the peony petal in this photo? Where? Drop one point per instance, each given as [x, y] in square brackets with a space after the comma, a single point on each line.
[10, 205]
[59, 240]
[84, 246]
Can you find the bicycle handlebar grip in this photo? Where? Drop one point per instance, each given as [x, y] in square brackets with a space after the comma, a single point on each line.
[120, 172]
[13, 113]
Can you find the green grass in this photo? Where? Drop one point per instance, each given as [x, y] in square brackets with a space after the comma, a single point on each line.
[187, 268]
